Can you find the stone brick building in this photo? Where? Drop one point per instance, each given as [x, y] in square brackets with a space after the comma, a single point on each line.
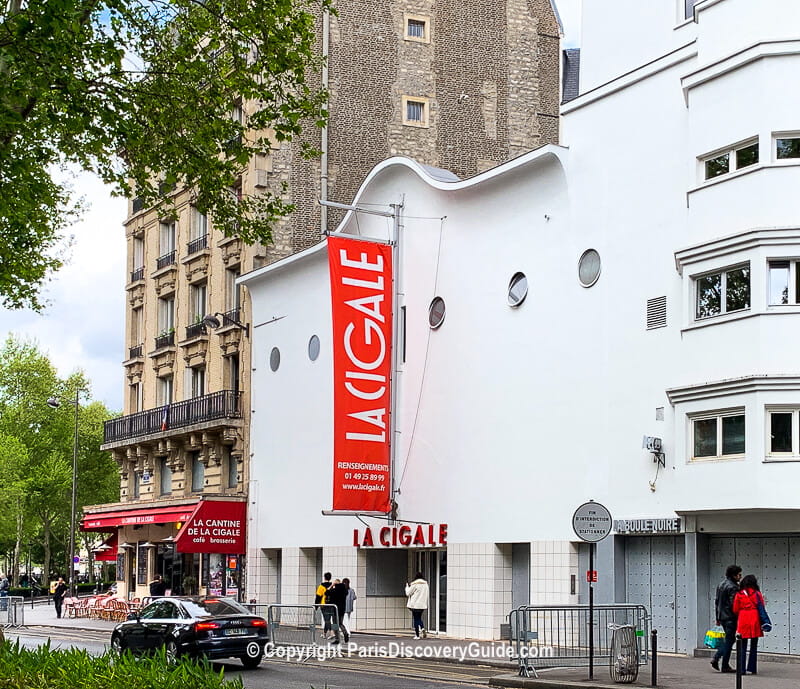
[457, 84]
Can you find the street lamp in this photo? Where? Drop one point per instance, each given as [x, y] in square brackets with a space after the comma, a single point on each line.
[54, 403]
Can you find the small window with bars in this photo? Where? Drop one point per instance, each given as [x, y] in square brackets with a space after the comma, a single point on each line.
[417, 28]
[415, 111]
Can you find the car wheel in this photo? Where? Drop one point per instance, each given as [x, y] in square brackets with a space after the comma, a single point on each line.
[117, 644]
[171, 652]
[253, 656]
[251, 663]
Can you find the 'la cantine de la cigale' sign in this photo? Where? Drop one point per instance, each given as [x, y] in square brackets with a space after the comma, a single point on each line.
[667, 525]
[420, 536]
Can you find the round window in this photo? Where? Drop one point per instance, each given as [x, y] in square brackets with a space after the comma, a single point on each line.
[436, 312]
[275, 358]
[517, 289]
[313, 348]
[589, 267]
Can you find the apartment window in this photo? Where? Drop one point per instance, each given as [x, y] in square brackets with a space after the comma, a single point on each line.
[688, 8]
[136, 326]
[718, 436]
[232, 290]
[415, 111]
[232, 372]
[166, 315]
[134, 398]
[199, 223]
[165, 474]
[196, 384]
[783, 282]
[734, 158]
[787, 147]
[723, 292]
[417, 28]
[137, 480]
[782, 427]
[164, 390]
[197, 302]
[166, 238]
[233, 468]
[138, 253]
[198, 473]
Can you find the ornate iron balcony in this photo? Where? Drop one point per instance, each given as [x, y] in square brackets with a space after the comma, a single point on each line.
[197, 244]
[195, 330]
[165, 260]
[135, 352]
[216, 405]
[137, 274]
[165, 340]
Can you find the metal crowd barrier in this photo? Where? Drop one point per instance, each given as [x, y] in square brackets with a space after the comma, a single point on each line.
[558, 636]
[300, 625]
[12, 611]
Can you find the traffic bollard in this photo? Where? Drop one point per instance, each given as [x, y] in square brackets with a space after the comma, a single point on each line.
[739, 660]
[654, 658]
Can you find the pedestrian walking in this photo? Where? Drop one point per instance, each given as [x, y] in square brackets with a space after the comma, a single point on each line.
[726, 617]
[349, 607]
[320, 599]
[58, 595]
[748, 624]
[418, 593]
[337, 595]
[4, 588]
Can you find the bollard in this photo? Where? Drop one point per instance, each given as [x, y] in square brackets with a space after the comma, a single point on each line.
[739, 660]
[654, 658]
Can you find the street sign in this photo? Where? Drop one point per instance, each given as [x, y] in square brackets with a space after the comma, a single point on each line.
[591, 576]
[591, 522]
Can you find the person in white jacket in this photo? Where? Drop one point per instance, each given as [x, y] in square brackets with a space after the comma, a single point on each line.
[418, 593]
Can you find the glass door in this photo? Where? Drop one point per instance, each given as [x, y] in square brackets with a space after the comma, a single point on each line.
[433, 565]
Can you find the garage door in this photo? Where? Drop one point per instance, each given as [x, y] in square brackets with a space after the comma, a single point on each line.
[655, 576]
[772, 559]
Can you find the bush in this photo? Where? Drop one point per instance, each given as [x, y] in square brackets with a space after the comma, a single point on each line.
[46, 668]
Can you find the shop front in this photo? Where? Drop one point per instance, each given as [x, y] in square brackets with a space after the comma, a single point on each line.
[196, 546]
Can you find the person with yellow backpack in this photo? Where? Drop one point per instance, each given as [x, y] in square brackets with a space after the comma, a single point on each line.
[321, 599]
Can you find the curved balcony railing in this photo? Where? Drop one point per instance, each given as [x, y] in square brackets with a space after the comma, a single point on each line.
[197, 244]
[165, 260]
[224, 404]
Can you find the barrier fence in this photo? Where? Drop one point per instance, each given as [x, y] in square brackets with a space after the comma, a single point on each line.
[300, 625]
[558, 636]
[12, 611]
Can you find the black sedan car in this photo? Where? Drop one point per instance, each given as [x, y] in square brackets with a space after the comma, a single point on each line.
[194, 626]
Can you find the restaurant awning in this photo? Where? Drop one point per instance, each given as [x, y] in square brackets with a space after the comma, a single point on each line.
[107, 550]
[144, 514]
[217, 526]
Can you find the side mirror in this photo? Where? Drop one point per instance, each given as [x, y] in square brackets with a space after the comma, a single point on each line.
[133, 616]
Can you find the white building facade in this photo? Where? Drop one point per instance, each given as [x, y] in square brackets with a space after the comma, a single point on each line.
[657, 252]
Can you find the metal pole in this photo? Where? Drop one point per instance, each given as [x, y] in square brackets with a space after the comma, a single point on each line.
[73, 510]
[393, 392]
[591, 611]
[739, 660]
[654, 661]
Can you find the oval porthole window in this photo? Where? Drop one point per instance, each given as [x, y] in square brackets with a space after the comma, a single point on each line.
[589, 267]
[517, 289]
[313, 348]
[275, 358]
[436, 312]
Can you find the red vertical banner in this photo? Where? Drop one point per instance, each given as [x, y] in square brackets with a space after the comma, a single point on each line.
[361, 301]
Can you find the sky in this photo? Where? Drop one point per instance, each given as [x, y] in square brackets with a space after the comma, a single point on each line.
[84, 325]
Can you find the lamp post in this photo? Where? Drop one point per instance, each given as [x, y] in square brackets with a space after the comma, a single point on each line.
[54, 403]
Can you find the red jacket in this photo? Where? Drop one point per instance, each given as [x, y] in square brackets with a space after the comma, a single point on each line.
[745, 606]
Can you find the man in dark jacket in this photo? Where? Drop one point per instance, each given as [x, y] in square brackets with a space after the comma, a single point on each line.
[158, 587]
[726, 618]
[337, 595]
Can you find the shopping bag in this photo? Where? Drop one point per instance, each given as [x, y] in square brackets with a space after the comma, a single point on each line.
[714, 637]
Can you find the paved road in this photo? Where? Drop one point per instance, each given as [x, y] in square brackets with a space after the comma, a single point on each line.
[334, 673]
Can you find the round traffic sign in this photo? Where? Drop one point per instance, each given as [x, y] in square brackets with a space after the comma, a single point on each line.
[591, 522]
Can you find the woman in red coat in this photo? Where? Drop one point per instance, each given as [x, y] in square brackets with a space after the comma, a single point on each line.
[748, 624]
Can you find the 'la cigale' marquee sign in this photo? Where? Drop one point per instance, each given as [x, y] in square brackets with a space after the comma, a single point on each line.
[419, 536]
[667, 525]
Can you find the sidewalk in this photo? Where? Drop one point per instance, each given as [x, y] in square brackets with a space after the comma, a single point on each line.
[675, 672]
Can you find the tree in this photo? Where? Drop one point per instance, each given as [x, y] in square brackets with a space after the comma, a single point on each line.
[143, 93]
[36, 499]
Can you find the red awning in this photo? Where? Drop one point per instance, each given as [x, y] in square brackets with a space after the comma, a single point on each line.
[217, 526]
[106, 521]
[107, 551]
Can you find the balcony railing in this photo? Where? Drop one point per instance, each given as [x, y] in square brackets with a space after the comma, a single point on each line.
[230, 317]
[137, 274]
[165, 260]
[197, 244]
[216, 405]
[195, 330]
[165, 340]
[135, 352]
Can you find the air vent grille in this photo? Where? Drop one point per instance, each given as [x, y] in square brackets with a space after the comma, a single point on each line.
[656, 313]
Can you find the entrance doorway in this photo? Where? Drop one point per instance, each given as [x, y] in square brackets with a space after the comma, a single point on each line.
[433, 565]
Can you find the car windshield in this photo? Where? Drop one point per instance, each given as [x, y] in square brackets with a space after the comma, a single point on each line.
[205, 607]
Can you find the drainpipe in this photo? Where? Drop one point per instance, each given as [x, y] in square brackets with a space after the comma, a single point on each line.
[323, 182]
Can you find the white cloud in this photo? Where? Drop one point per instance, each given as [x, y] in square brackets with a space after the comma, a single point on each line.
[85, 324]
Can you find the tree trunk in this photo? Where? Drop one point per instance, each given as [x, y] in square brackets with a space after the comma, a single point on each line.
[17, 545]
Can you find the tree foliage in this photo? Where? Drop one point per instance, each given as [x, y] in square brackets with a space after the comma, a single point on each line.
[36, 452]
[142, 93]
